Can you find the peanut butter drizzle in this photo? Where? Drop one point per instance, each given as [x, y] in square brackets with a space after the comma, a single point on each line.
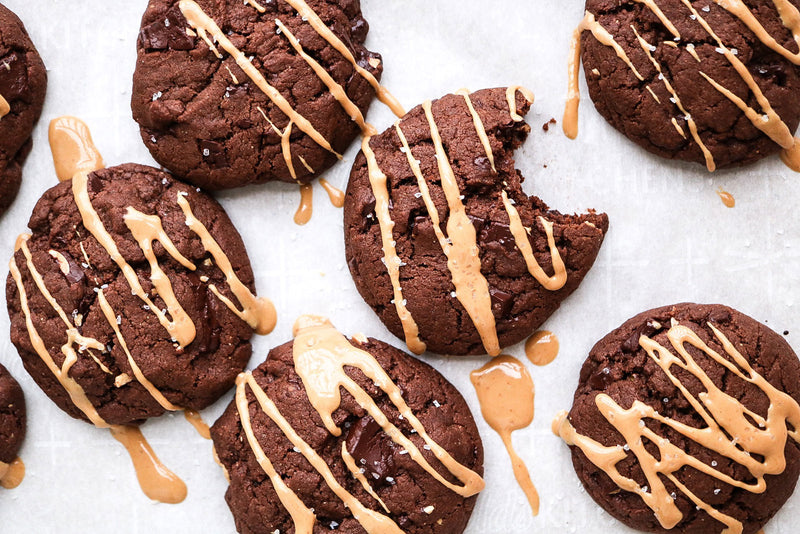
[335, 89]
[204, 25]
[12, 475]
[5, 108]
[373, 522]
[521, 238]
[321, 354]
[570, 122]
[391, 260]
[791, 156]
[306, 207]
[647, 47]
[769, 122]
[196, 420]
[156, 481]
[72, 147]
[111, 317]
[726, 198]
[63, 264]
[542, 348]
[476, 120]
[319, 26]
[258, 312]
[286, 143]
[463, 255]
[511, 97]
[505, 392]
[146, 229]
[350, 462]
[754, 436]
[180, 330]
[73, 389]
[335, 195]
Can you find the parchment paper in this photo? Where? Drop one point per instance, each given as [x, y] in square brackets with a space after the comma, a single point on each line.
[671, 240]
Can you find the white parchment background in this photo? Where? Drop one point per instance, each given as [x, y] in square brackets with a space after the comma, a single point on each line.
[671, 240]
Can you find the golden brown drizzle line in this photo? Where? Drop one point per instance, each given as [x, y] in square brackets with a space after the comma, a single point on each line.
[5, 109]
[258, 313]
[768, 122]
[758, 443]
[210, 32]
[460, 244]
[321, 354]
[11, 475]
[505, 392]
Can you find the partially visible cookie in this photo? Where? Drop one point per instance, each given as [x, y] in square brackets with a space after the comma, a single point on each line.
[12, 417]
[23, 83]
[278, 94]
[679, 422]
[386, 482]
[441, 240]
[120, 309]
[716, 83]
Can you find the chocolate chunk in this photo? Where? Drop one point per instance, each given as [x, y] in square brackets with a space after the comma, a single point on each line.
[372, 449]
[167, 33]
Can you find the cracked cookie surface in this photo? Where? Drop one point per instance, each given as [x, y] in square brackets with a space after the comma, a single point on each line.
[74, 266]
[208, 121]
[12, 416]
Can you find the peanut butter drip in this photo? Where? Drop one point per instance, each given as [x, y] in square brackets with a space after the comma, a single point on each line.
[767, 121]
[463, 255]
[5, 108]
[12, 475]
[391, 260]
[542, 347]
[505, 392]
[522, 240]
[196, 420]
[72, 148]
[258, 312]
[156, 481]
[726, 198]
[460, 245]
[306, 207]
[73, 389]
[335, 195]
[757, 445]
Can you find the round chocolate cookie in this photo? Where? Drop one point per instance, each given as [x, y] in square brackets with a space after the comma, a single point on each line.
[119, 308]
[279, 95]
[23, 83]
[12, 417]
[382, 477]
[440, 238]
[675, 76]
[707, 391]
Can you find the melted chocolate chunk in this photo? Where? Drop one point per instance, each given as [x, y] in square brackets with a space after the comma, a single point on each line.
[169, 33]
[631, 344]
[372, 449]
[502, 302]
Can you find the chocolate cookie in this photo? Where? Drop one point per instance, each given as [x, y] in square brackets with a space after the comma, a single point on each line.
[691, 79]
[12, 418]
[132, 296]
[440, 238]
[232, 93]
[679, 422]
[23, 83]
[398, 451]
